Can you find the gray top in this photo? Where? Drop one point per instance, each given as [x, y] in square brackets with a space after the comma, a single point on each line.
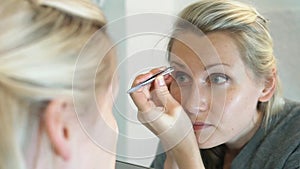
[277, 147]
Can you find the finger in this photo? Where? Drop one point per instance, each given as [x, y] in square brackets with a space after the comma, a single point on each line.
[142, 95]
[164, 96]
[168, 79]
[140, 78]
[156, 70]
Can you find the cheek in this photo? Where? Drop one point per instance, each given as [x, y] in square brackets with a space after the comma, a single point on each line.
[235, 97]
[106, 131]
[243, 99]
[239, 106]
[109, 119]
[105, 113]
[105, 126]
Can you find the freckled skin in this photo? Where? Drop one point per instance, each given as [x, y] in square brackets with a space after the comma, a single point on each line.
[224, 95]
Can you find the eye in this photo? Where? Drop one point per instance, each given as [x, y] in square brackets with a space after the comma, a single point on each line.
[182, 78]
[218, 78]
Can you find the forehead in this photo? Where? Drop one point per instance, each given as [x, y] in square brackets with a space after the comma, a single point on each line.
[216, 47]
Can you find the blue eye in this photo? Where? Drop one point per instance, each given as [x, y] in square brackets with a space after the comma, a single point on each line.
[182, 78]
[218, 78]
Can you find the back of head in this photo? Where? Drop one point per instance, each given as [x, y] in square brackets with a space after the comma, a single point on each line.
[40, 41]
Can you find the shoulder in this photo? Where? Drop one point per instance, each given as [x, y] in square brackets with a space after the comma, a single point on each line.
[285, 125]
[275, 146]
[289, 116]
[292, 134]
[292, 106]
[282, 140]
[293, 160]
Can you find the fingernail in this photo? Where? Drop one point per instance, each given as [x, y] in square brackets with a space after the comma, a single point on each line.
[161, 80]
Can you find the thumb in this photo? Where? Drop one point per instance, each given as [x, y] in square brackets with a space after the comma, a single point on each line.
[163, 95]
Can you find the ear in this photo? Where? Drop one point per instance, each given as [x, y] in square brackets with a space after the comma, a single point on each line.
[56, 127]
[269, 87]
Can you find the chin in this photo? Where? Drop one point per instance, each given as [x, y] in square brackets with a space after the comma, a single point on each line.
[210, 142]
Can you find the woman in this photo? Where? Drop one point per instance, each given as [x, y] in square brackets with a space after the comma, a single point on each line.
[230, 93]
[47, 115]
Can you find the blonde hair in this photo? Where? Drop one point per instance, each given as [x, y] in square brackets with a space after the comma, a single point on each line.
[249, 29]
[40, 41]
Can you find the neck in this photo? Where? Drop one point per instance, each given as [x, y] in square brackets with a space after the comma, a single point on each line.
[233, 148]
[229, 157]
[237, 143]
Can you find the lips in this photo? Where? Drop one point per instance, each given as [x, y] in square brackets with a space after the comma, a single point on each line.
[200, 125]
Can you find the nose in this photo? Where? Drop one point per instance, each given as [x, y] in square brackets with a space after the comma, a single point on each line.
[197, 101]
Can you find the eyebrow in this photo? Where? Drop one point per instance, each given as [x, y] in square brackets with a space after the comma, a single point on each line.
[205, 68]
[178, 64]
[216, 64]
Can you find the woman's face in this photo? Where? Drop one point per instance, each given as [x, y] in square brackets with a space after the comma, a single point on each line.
[216, 89]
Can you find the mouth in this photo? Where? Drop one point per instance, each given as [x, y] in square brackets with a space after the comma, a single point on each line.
[201, 126]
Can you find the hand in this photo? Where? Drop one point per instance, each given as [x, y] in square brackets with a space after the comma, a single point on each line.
[159, 111]
[165, 117]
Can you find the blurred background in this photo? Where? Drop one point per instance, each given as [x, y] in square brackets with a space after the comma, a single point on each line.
[284, 18]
